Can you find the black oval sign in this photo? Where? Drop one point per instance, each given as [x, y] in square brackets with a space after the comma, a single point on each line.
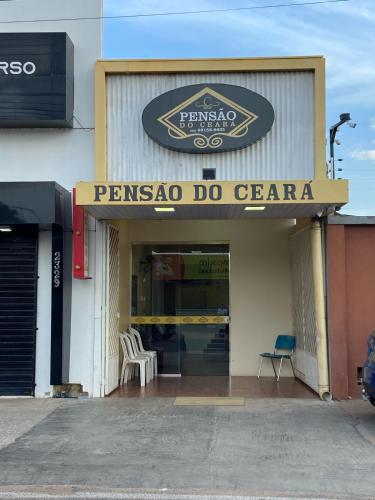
[208, 118]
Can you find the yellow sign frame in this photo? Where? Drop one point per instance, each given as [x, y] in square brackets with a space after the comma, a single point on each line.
[313, 64]
[317, 192]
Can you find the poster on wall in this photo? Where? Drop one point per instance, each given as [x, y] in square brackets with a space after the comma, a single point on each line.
[190, 267]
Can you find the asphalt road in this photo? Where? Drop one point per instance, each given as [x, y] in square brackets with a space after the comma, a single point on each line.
[148, 448]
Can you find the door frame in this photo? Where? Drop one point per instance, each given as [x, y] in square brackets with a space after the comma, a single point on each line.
[109, 385]
[180, 319]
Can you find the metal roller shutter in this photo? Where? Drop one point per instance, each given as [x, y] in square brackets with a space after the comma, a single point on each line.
[18, 295]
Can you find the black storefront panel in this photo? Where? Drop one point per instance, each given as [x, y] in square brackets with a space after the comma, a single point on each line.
[26, 207]
[34, 203]
[57, 287]
[18, 309]
[36, 80]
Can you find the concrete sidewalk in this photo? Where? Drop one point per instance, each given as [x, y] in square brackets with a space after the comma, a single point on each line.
[295, 448]
[19, 415]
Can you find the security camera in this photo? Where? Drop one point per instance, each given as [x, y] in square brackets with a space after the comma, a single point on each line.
[344, 117]
[330, 210]
[338, 142]
[352, 124]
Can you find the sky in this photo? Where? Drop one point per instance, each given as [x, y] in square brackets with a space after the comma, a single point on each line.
[343, 32]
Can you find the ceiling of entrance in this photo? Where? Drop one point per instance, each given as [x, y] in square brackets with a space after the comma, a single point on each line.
[282, 211]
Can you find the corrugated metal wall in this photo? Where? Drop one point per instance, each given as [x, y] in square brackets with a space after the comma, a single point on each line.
[304, 324]
[287, 151]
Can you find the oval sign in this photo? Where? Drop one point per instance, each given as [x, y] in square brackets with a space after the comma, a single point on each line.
[208, 118]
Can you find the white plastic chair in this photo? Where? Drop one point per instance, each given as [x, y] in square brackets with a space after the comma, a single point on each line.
[127, 363]
[144, 354]
[129, 360]
[129, 367]
[139, 354]
[133, 353]
[142, 350]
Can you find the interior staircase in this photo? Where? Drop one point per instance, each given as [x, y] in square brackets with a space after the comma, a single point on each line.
[218, 345]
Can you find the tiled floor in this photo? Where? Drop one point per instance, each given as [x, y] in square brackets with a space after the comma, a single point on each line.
[247, 387]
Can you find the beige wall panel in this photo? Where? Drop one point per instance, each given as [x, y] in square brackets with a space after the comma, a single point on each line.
[286, 152]
[260, 287]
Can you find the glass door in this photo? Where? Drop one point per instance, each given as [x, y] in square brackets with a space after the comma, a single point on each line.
[180, 304]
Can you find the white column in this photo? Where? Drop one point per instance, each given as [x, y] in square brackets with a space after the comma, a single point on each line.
[43, 322]
[320, 314]
[99, 341]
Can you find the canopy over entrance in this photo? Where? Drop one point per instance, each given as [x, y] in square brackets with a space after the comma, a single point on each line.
[211, 199]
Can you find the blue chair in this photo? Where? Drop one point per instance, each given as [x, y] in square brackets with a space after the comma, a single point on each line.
[284, 348]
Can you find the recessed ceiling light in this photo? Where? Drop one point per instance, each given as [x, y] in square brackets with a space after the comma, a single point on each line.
[255, 208]
[164, 209]
[5, 229]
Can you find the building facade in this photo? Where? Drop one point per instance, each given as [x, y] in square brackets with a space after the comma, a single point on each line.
[46, 145]
[263, 206]
[200, 194]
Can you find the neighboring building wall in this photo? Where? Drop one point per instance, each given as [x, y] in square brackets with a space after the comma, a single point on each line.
[351, 303]
[260, 281]
[62, 155]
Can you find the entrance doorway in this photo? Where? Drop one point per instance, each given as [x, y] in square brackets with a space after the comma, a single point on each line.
[174, 289]
[180, 305]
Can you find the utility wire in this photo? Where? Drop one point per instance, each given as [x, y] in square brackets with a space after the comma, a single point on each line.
[164, 14]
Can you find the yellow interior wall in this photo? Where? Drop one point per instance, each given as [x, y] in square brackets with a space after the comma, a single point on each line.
[260, 282]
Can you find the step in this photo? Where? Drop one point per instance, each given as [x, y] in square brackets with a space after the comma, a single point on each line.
[209, 350]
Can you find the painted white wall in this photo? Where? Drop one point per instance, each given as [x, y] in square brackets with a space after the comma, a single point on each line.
[61, 155]
[260, 279]
[83, 321]
[43, 319]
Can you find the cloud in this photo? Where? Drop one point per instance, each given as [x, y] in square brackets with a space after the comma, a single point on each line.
[364, 154]
[341, 32]
[350, 210]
